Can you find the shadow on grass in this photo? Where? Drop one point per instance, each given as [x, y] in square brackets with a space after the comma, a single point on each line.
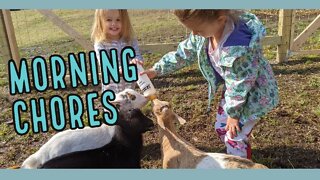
[303, 71]
[287, 157]
[302, 66]
[303, 60]
[165, 84]
[152, 152]
[187, 73]
[166, 80]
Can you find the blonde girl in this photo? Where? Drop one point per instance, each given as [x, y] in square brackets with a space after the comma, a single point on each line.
[112, 30]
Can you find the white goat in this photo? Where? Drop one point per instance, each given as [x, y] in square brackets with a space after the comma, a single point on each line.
[84, 139]
[129, 99]
[178, 153]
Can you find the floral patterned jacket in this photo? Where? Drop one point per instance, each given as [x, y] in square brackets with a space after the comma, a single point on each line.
[250, 86]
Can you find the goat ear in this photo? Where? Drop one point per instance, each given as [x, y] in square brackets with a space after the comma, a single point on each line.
[180, 119]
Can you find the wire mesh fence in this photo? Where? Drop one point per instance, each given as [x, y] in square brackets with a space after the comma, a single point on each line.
[38, 36]
[302, 19]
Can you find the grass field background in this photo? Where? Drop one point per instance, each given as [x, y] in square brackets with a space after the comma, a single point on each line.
[288, 137]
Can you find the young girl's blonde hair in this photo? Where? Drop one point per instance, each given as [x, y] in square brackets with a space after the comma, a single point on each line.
[202, 15]
[98, 29]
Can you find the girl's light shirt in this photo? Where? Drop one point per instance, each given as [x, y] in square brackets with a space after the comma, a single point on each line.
[215, 54]
[118, 45]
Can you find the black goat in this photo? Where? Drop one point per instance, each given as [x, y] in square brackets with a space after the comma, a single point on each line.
[123, 151]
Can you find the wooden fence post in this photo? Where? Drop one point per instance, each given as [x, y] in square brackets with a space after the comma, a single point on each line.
[4, 43]
[8, 39]
[292, 35]
[284, 31]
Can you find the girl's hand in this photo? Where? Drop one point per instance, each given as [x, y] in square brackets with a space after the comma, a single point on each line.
[136, 61]
[233, 127]
[120, 70]
[150, 72]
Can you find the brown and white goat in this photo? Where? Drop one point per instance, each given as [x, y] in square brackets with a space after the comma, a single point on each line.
[178, 153]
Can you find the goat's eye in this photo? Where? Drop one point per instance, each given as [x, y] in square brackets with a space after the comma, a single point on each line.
[166, 106]
[131, 96]
[118, 106]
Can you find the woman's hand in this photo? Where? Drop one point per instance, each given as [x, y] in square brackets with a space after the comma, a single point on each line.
[233, 127]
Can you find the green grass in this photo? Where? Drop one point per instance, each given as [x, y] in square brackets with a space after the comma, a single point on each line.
[37, 36]
[287, 136]
[315, 82]
[317, 111]
[32, 29]
[6, 133]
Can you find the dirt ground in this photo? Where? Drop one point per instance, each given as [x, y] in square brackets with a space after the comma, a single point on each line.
[288, 137]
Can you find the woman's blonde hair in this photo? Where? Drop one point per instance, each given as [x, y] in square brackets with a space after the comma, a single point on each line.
[98, 29]
[202, 15]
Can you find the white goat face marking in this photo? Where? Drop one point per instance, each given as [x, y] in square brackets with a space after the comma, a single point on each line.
[129, 99]
[163, 109]
[160, 107]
